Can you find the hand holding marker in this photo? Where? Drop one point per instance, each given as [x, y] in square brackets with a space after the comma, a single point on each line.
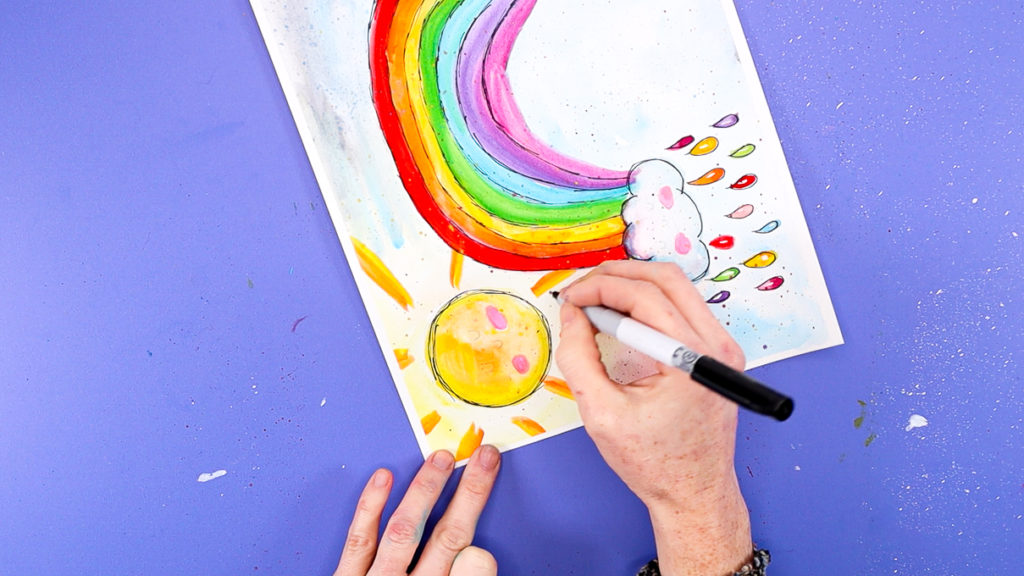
[718, 377]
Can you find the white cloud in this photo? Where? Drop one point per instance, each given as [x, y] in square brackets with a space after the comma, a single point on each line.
[662, 221]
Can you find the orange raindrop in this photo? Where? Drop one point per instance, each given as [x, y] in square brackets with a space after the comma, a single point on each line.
[712, 176]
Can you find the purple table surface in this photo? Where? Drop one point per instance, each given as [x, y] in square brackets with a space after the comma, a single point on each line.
[161, 236]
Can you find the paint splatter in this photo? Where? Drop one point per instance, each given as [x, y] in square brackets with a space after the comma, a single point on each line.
[745, 181]
[207, 476]
[741, 212]
[761, 260]
[727, 121]
[743, 151]
[916, 421]
[726, 275]
[719, 297]
[769, 227]
[297, 322]
[705, 146]
[859, 420]
[709, 177]
[723, 242]
[771, 284]
[682, 143]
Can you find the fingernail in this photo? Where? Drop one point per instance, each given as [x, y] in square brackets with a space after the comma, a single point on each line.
[488, 457]
[442, 459]
[380, 478]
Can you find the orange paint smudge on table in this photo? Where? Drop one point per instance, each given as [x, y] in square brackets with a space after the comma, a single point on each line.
[550, 280]
[558, 386]
[379, 273]
[403, 357]
[528, 425]
[430, 421]
[471, 440]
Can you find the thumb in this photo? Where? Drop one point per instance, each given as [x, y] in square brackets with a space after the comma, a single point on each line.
[473, 561]
[579, 359]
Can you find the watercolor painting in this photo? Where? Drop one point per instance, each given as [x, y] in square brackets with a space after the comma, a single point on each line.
[477, 154]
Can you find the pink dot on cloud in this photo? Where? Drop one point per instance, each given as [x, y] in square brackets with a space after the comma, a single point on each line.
[683, 245]
[497, 318]
[520, 363]
[666, 198]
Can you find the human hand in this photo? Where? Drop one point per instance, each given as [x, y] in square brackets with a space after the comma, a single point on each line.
[449, 551]
[671, 440]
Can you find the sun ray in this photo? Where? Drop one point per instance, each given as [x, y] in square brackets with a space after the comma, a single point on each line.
[455, 270]
[429, 421]
[558, 386]
[404, 358]
[379, 273]
[550, 280]
[528, 425]
[471, 440]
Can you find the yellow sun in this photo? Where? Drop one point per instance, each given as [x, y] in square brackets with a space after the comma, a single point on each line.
[489, 348]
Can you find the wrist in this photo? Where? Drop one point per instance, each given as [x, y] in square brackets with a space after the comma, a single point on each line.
[699, 488]
[701, 534]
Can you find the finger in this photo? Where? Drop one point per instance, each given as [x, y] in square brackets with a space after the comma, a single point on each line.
[361, 542]
[474, 561]
[405, 528]
[687, 299]
[579, 360]
[455, 530]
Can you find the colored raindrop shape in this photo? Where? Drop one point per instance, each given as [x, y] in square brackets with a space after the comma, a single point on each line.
[705, 146]
[743, 151]
[741, 212]
[727, 121]
[771, 283]
[720, 297]
[726, 275]
[710, 177]
[761, 260]
[723, 242]
[745, 181]
[681, 143]
[769, 227]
